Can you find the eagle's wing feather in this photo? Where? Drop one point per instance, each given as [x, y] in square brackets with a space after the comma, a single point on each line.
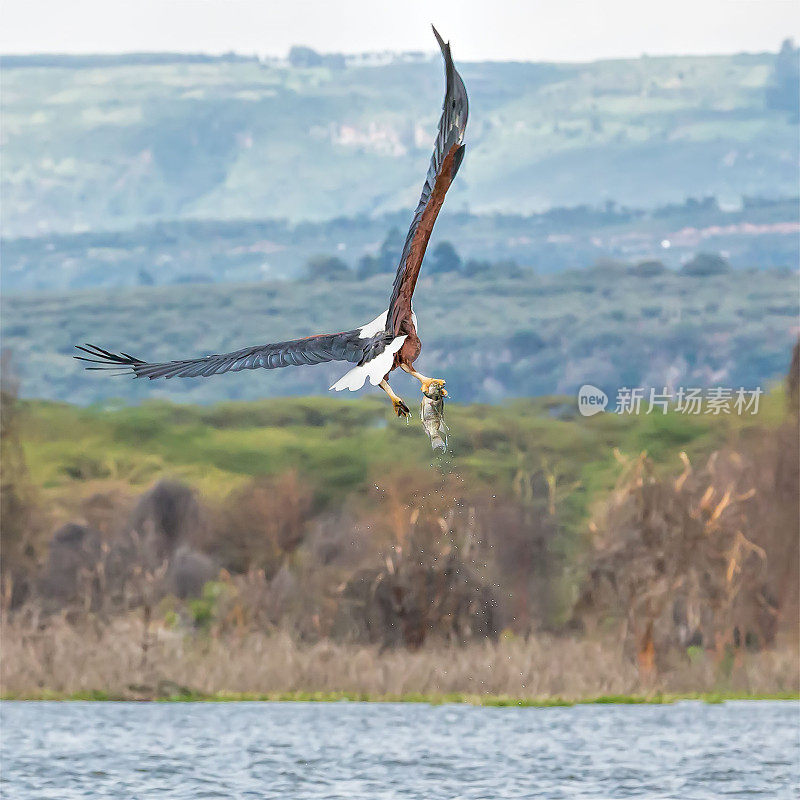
[355, 346]
[447, 156]
[346, 346]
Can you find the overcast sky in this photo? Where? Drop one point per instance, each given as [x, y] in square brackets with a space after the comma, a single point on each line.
[551, 30]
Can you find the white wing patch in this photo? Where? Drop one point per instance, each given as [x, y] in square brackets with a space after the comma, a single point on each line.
[377, 325]
[380, 365]
[374, 370]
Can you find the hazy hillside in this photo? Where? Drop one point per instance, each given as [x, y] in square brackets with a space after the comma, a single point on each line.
[112, 143]
[761, 234]
[491, 337]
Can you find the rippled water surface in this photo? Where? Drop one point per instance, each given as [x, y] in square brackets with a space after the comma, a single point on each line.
[372, 751]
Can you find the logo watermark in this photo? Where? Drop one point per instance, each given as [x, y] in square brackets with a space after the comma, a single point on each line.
[591, 400]
[717, 400]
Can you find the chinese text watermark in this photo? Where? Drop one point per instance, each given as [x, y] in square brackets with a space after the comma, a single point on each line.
[716, 400]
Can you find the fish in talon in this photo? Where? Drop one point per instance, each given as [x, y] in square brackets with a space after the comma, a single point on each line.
[431, 413]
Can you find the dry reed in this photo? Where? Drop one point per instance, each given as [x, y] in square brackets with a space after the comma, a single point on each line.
[129, 658]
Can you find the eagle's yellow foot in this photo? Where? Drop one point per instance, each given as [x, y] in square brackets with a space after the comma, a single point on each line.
[400, 408]
[425, 382]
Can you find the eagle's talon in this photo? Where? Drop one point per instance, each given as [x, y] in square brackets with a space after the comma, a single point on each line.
[425, 385]
[400, 408]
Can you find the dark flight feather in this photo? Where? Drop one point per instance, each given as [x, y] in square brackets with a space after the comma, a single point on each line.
[345, 346]
[448, 153]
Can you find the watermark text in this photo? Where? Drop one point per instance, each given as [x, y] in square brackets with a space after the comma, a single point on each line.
[716, 400]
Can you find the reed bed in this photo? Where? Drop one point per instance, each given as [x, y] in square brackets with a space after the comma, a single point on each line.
[129, 658]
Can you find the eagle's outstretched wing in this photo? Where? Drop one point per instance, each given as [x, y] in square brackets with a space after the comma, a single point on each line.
[447, 156]
[373, 346]
[351, 346]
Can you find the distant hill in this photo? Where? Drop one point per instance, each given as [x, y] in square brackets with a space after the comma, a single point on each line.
[113, 142]
[761, 234]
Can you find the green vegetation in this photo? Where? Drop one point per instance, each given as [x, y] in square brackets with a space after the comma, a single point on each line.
[274, 561]
[338, 447]
[115, 142]
[492, 337]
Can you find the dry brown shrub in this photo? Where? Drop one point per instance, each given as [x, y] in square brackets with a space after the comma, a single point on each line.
[674, 566]
[519, 535]
[261, 524]
[136, 554]
[18, 503]
[107, 511]
[774, 513]
[426, 578]
[166, 516]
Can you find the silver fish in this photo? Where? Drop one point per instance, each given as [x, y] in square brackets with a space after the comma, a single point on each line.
[431, 412]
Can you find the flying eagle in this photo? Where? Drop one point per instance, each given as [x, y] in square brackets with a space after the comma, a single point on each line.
[391, 340]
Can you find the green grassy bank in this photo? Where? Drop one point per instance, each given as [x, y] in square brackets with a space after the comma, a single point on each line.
[190, 696]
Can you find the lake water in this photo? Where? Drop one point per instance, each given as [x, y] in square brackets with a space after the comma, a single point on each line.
[352, 751]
